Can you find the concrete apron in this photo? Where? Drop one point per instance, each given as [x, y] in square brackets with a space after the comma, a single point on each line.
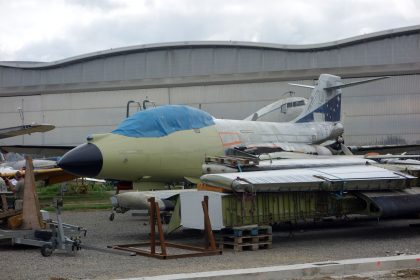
[308, 270]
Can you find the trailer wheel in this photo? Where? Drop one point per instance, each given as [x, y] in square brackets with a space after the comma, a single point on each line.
[46, 250]
[111, 217]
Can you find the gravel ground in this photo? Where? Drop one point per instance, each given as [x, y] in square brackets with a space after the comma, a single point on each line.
[324, 241]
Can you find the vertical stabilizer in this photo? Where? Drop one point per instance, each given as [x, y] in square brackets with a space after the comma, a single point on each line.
[324, 104]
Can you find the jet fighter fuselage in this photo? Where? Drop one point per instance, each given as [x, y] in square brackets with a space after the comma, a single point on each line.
[181, 153]
[170, 142]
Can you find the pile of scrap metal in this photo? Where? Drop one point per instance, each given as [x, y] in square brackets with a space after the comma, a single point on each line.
[409, 164]
[269, 190]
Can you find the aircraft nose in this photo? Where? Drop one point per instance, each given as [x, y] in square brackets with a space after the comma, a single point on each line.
[85, 161]
[338, 129]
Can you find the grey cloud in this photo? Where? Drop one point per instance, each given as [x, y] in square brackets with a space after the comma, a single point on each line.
[50, 50]
[314, 24]
[96, 4]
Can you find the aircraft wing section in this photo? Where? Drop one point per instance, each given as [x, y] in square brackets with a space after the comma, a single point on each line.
[49, 151]
[356, 83]
[264, 148]
[53, 176]
[343, 178]
[396, 203]
[300, 85]
[7, 171]
[24, 129]
[361, 150]
[50, 176]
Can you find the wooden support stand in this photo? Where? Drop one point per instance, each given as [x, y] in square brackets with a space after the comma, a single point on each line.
[32, 218]
[192, 251]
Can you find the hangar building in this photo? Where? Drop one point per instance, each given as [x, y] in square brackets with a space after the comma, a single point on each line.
[88, 93]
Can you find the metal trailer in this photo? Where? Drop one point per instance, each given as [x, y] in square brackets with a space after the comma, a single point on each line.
[50, 239]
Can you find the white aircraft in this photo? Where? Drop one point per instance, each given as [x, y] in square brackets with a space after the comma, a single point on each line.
[45, 170]
[15, 162]
[24, 129]
[170, 143]
[283, 110]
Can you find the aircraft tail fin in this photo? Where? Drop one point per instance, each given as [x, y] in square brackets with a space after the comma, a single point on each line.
[325, 102]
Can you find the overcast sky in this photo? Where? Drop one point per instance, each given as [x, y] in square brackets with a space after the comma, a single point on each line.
[48, 30]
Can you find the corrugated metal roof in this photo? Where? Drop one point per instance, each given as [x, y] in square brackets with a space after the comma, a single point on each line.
[215, 44]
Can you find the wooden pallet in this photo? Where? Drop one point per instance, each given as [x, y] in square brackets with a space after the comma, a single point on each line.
[246, 246]
[252, 230]
[248, 238]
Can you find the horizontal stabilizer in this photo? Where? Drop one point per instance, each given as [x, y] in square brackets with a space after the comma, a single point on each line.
[355, 83]
[300, 85]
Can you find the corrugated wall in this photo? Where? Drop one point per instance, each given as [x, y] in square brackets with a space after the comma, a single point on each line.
[90, 96]
[76, 115]
[196, 61]
[382, 112]
[385, 112]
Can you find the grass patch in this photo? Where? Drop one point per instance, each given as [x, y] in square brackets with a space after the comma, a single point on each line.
[81, 207]
[76, 196]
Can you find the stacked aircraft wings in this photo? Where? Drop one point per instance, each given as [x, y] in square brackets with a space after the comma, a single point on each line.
[322, 174]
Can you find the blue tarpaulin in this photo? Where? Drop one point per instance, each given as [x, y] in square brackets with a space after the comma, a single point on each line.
[164, 120]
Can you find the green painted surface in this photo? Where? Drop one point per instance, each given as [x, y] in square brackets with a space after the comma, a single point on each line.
[268, 208]
[175, 221]
[169, 158]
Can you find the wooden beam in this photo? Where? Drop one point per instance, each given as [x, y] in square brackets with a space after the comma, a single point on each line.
[160, 231]
[207, 225]
[152, 225]
[31, 212]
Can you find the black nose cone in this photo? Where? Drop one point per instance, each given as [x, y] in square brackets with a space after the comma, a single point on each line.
[85, 161]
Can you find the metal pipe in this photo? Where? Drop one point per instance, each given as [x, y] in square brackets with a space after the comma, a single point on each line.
[127, 114]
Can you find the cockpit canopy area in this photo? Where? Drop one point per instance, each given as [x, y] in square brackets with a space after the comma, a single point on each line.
[163, 120]
[298, 103]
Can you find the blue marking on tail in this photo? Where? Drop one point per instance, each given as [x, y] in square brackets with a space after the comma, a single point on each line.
[331, 110]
